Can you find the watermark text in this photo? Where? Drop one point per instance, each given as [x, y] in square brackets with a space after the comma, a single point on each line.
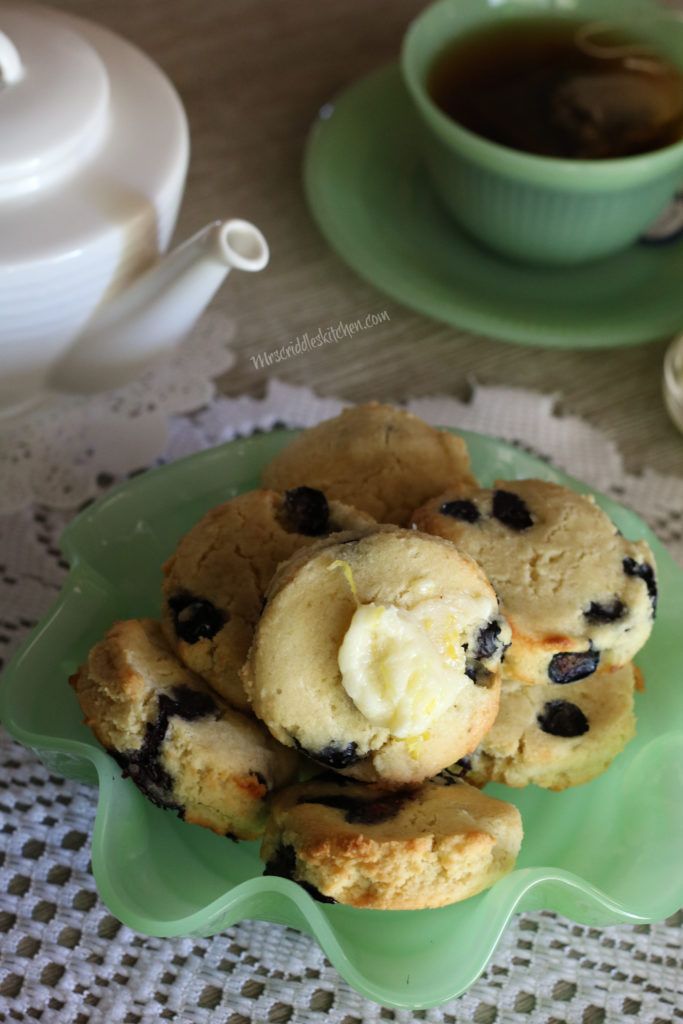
[307, 342]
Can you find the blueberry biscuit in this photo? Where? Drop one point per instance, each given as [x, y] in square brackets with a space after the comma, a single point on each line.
[214, 583]
[182, 746]
[365, 846]
[579, 596]
[375, 457]
[379, 655]
[553, 736]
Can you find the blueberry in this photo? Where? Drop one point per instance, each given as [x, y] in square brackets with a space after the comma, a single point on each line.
[283, 865]
[316, 894]
[568, 666]
[479, 675]
[337, 757]
[646, 573]
[148, 775]
[561, 718]
[305, 511]
[362, 812]
[487, 640]
[610, 611]
[143, 766]
[194, 618]
[486, 646]
[455, 773]
[462, 509]
[511, 511]
[376, 811]
[188, 704]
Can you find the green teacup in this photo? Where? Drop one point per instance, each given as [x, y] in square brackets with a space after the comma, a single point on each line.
[540, 209]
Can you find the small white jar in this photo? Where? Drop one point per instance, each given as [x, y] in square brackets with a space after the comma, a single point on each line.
[673, 381]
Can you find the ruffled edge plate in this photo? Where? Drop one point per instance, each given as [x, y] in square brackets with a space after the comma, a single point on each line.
[606, 852]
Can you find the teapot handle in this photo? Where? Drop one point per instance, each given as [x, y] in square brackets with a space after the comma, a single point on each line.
[11, 68]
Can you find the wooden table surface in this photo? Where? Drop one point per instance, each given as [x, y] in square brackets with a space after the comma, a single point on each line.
[252, 76]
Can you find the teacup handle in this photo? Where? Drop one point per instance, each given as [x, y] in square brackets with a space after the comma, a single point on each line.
[11, 68]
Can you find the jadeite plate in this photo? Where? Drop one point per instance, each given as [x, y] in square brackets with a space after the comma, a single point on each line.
[369, 194]
[606, 852]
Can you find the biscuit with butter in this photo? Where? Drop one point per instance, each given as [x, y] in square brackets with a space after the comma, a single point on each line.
[378, 655]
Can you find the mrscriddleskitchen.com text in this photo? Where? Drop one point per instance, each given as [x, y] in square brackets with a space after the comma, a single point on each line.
[308, 342]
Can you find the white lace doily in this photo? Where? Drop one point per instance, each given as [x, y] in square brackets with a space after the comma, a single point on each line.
[55, 454]
[64, 959]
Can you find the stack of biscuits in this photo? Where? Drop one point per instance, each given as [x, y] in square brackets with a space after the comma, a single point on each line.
[348, 655]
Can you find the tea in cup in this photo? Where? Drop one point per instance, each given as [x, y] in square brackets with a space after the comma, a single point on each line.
[553, 133]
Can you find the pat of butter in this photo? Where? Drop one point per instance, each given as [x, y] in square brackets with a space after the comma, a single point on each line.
[394, 673]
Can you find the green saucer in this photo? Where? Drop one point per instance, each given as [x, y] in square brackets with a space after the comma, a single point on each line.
[368, 191]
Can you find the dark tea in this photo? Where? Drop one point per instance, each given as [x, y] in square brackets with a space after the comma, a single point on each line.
[560, 88]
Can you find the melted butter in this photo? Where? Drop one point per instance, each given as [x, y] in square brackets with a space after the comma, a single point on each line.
[395, 675]
[403, 668]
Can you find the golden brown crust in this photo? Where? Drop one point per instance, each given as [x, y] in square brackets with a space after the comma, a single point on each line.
[424, 847]
[375, 457]
[183, 746]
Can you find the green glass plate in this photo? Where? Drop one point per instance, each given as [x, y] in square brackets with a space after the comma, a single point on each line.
[368, 192]
[605, 852]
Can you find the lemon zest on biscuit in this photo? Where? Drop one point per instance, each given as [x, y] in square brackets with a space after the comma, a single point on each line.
[414, 744]
[339, 563]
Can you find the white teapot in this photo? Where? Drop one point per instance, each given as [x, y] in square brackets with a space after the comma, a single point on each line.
[93, 156]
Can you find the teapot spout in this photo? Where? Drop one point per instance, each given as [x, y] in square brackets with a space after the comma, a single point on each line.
[154, 313]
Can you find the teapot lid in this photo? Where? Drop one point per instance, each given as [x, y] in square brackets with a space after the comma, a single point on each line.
[54, 95]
